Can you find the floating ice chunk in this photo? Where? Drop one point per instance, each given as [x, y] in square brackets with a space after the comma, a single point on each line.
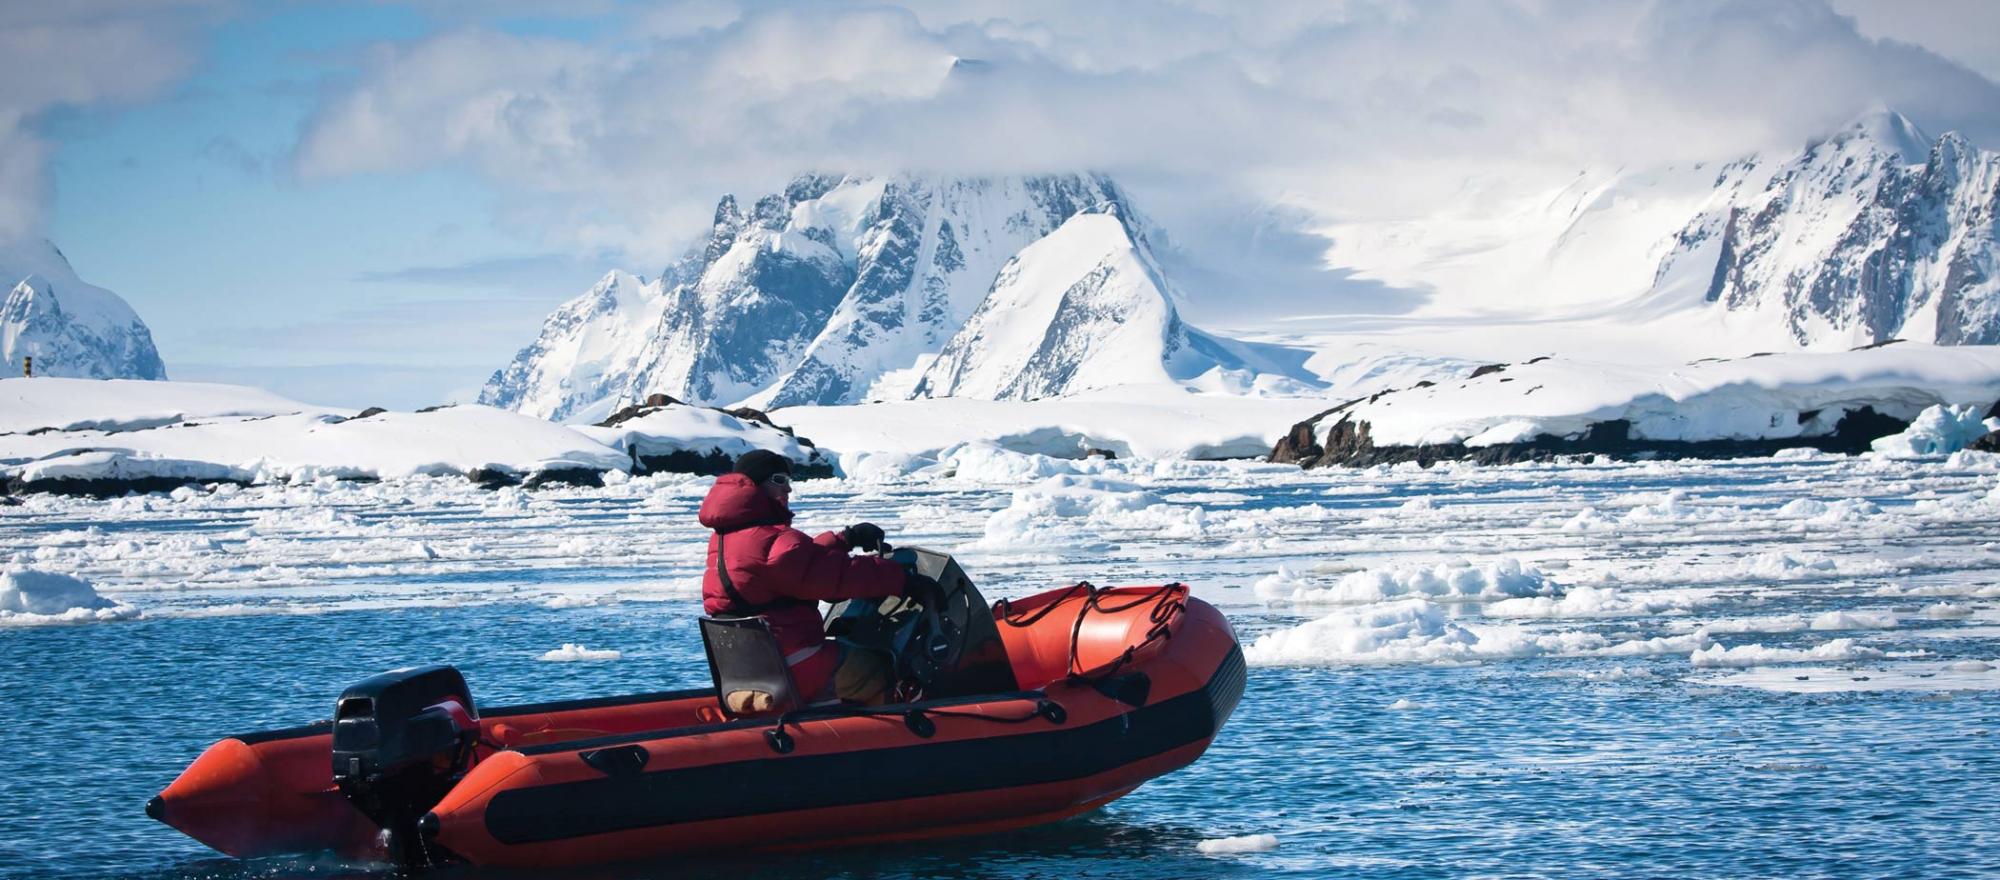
[572, 653]
[1409, 631]
[1947, 610]
[985, 462]
[1846, 510]
[1248, 843]
[31, 596]
[1404, 703]
[1838, 650]
[1587, 601]
[1589, 520]
[1035, 518]
[1501, 578]
[1839, 620]
[1782, 566]
[1969, 666]
[1938, 430]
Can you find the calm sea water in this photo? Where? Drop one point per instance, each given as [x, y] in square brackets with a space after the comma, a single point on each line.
[1521, 769]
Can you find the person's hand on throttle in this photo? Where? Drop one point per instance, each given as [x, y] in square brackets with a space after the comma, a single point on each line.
[863, 536]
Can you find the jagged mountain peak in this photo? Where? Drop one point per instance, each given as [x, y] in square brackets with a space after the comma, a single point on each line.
[1869, 235]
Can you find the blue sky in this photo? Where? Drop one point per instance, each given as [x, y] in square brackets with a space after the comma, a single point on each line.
[335, 289]
[377, 203]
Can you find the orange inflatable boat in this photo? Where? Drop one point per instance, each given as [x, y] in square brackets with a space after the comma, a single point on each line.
[1028, 712]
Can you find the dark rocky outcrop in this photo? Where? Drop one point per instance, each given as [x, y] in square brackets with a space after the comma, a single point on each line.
[492, 478]
[1348, 443]
[368, 413]
[1988, 443]
[570, 476]
[712, 462]
[1100, 453]
[1486, 370]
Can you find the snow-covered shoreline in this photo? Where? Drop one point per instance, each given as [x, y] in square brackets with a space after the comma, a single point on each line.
[1833, 401]
[105, 438]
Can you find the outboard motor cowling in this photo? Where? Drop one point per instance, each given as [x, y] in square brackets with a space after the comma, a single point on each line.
[401, 740]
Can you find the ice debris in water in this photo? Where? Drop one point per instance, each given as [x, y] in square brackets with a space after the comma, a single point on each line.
[1416, 631]
[1587, 601]
[30, 596]
[1248, 843]
[1938, 430]
[1947, 610]
[1499, 579]
[1402, 704]
[571, 652]
[1837, 650]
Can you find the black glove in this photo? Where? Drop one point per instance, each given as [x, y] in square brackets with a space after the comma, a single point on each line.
[863, 536]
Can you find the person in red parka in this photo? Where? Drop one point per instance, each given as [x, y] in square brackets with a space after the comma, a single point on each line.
[774, 570]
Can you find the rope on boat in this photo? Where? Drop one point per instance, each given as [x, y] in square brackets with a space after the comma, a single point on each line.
[1168, 600]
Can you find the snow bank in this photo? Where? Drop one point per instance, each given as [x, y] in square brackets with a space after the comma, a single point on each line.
[130, 404]
[1248, 843]
[1766, 397]
[571, 652]
[1499, 579]
[303, 446]
[1938, 430]
[1838, 650]
[29, 596]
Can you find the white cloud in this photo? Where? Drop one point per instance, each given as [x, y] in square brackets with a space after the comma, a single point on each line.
[1346, 108]
[72, 55]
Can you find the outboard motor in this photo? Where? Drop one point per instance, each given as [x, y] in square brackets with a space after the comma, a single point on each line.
[401, 740]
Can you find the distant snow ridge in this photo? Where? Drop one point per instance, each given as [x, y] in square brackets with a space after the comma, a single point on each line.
[69, 327]
[1873, 234]
[840, 290]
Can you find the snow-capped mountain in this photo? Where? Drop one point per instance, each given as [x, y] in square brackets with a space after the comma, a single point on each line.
[70, 328]
[846, 289]
[1875, 233]
[1085, 307]
[1871, 233]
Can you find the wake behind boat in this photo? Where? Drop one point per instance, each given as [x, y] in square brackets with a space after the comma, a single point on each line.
[1027, 712]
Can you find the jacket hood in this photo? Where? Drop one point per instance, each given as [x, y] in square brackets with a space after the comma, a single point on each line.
[734, 502]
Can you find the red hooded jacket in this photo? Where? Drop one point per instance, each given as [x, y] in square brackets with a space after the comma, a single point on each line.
[769, 561]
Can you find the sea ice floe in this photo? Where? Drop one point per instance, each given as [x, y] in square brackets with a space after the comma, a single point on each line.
[1497, 579]
[31, 596]
[1248, 843]
[1417, 631]
[1947, 610]
[571, 653]
[1838, 650]
[1921, 676]
[1589, 602]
